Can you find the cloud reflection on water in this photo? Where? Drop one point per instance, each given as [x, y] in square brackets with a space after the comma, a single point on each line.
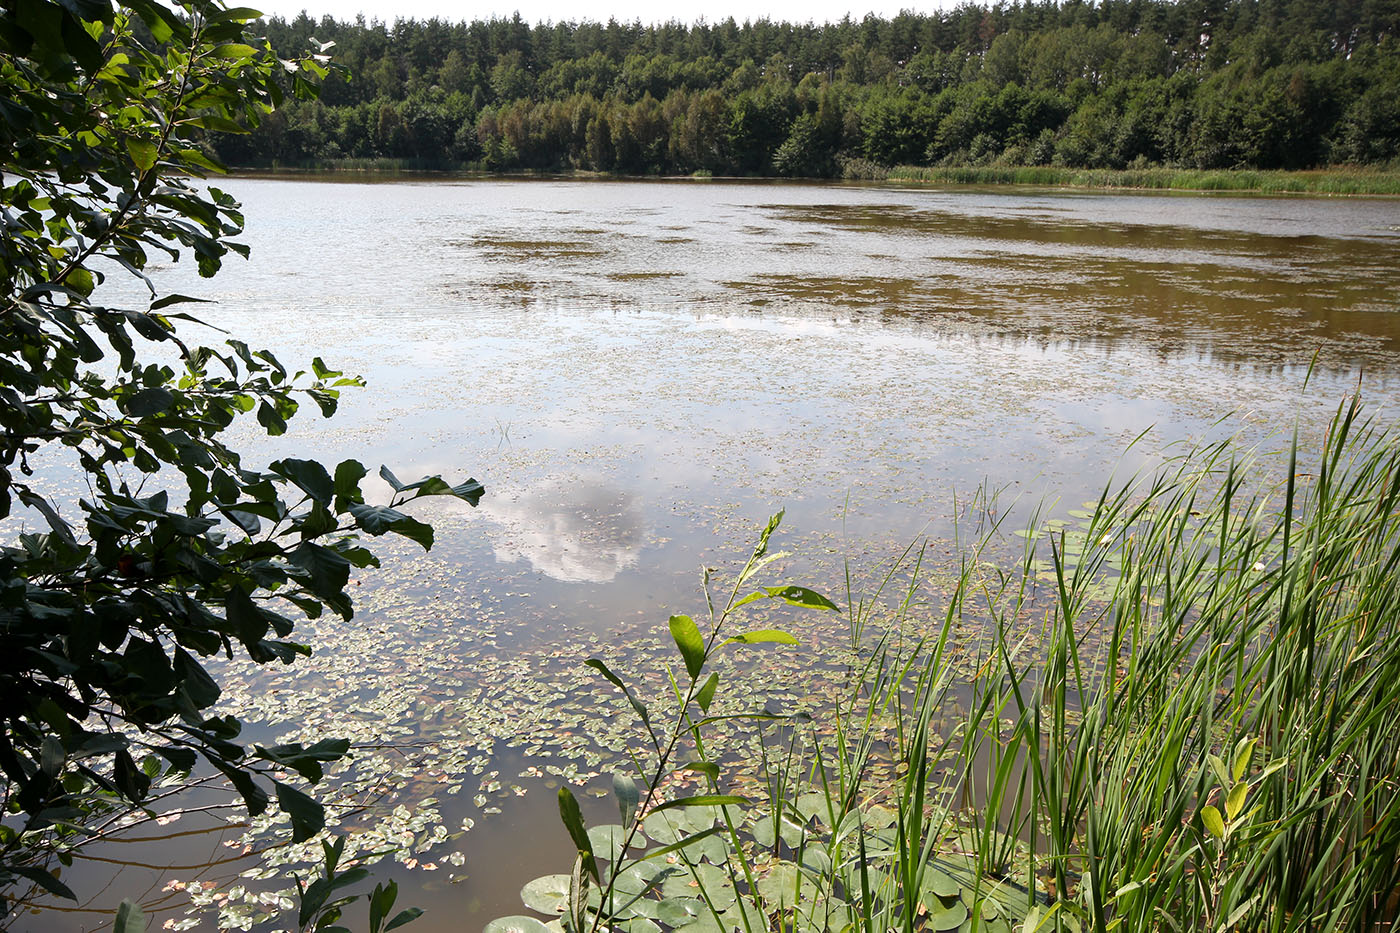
[576, 531]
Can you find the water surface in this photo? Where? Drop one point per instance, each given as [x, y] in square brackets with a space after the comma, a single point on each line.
[640, 373]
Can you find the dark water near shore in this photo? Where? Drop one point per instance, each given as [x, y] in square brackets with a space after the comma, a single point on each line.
[640, 373]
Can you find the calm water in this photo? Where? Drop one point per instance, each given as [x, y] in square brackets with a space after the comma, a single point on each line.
[641, 373]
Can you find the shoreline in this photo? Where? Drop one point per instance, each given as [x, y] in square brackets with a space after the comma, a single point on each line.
[1354, 182]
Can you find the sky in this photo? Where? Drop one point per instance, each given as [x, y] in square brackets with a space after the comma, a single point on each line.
[535, 11]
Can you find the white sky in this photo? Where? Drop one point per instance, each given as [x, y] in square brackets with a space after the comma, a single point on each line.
[535, 11]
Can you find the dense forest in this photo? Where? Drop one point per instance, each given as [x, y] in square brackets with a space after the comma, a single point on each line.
[1206, 84]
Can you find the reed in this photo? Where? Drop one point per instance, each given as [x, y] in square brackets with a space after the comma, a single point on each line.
[1332, 181]
[1181, 713]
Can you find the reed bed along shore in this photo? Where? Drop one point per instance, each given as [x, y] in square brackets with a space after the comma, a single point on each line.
[1332, 181]
[1180, 710]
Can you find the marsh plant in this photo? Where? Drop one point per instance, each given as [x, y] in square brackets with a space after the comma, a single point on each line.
[1179, 709]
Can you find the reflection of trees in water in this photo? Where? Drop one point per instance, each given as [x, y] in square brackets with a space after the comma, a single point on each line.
[576, 531]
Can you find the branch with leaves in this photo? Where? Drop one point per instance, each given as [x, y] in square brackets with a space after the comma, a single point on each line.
[111, 603]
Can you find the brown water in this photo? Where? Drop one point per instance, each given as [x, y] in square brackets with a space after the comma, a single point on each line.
[641, 373]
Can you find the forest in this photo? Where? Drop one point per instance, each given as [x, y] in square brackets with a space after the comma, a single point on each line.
[1203, 84]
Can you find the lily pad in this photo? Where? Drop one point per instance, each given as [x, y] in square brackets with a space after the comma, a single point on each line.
[939, 882]
[945, 916]
[637, 925]
[689, 882]
[679, 911]
[548, 894]
[607, 840]
[639, 877]
[515, 925]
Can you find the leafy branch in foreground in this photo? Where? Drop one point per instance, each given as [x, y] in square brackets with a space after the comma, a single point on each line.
[110, 601]
[607, 885]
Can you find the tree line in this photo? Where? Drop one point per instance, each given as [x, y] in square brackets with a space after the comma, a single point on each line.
[1272, 84]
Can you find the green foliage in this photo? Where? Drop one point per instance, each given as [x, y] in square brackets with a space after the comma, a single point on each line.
[179, 550]
[1290, 85]
[1179, 710]
[323, 901]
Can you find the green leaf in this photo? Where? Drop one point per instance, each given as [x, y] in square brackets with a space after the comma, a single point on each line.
[381, 901]
[707, 768]
[348, 474]
[407, 915]
[51, 757]
[1221, 772]
[233, 50]
[678, 911]
[517, 924]
[307, 475]
[1210, 818]
[142, 153]
[1239, 761]
[81, 281]
[391, 479]
[616, 681]
[169, 300]
[690, 642]
[762, 636]
[271, 419]
[308, 817]
[129, 919]
[377, 519]
[706, 695]
[573, 822]
[628, 797]
[801, 596]
[682, 843]
[329, 570]
[149, 402]
[1234, 802]
[703, 800]
[44, 879]
[773, 522]
[211, 121]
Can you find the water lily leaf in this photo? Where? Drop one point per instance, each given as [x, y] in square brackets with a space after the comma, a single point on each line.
[939, 882]
[666, 828]
[785, 884]
[815, 806]
[946, 916]
[688, 882]
[548, 894]
[640, 877]
[607, 840]
[678, 911]
[704, 800]
[515, 925]
[637, 925]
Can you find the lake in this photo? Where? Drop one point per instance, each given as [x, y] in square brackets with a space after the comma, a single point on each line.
[641, 373]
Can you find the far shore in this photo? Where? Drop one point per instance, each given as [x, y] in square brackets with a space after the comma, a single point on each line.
[1324, 182]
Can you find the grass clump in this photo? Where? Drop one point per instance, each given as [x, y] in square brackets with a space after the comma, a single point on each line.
[1180, 713]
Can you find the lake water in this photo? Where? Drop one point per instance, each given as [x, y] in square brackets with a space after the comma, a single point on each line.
[640, 373]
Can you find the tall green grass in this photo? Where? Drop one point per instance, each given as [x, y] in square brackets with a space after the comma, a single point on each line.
[1339, 181]
[1190, 711]
[1182, 713]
